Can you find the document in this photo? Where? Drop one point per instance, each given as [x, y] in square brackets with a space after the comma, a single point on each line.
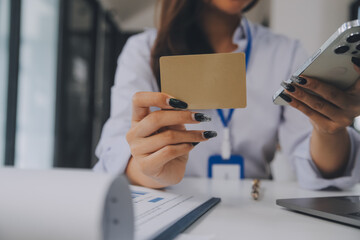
[155, 211]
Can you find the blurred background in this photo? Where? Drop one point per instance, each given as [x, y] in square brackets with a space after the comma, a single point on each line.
[58, 59]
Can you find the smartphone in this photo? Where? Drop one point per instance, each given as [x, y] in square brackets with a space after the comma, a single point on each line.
[332, 62]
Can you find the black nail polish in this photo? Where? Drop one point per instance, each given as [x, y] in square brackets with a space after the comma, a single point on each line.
[288, 86]
[209, 134]
[195, 143]
[285, 97]
[300, 80]
[200, 117]
[175, 103]
[355, 61]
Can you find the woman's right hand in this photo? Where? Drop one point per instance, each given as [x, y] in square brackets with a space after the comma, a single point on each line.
[159, 141]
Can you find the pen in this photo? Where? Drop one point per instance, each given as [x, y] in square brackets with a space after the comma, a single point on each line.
[255, 189]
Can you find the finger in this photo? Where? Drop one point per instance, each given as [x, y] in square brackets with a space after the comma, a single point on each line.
[157, 160]
[321, 122]
[319, 105]
[356, 62]
[309, 112]
[159, 119]
[357, 69]
[328, 92]
[354, 90]
[142, 101]
[169, 137]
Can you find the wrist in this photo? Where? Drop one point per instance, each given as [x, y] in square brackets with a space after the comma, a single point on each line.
[137, 177]
[330, 151]
[329, 134]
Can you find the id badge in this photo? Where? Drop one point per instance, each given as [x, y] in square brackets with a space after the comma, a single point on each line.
[232, 168]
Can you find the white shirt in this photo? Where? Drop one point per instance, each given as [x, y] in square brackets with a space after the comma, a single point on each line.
[255, 130]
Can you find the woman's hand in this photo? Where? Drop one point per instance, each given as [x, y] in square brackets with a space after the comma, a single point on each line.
[159, 141]
[330, 113]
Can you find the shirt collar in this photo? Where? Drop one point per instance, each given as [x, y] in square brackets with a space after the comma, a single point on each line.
[239, 36]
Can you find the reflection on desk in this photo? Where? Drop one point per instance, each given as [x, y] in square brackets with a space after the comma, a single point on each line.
[238, 216]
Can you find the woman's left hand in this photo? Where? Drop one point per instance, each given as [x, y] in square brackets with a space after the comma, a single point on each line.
[330, 112]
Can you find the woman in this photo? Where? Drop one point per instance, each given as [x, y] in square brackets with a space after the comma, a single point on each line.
[152, 147]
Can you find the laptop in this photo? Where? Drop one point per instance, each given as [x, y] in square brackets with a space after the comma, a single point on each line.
[343, 209]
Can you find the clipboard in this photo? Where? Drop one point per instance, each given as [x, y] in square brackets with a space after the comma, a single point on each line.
[186, 221]
[164, 215]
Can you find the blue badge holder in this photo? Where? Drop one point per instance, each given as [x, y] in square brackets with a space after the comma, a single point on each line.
[234, 159]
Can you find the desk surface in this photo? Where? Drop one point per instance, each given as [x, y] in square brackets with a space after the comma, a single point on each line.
[238, 216]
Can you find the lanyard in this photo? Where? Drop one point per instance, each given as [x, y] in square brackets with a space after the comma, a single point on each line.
[226, 146]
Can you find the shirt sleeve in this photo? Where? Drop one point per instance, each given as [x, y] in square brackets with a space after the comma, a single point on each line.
[310, 177]
[294, 137]
[133, 74]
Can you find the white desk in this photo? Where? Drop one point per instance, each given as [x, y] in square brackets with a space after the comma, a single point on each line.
[238, 216]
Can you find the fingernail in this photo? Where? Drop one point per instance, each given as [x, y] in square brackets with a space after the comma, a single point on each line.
[355, 61]
[209, 134]
[285, 97]
[200, 117]
[300, 80]
[175, 103]
[195, 143]
[288, 87]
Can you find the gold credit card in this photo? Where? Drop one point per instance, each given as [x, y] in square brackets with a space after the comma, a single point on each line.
[206, 81]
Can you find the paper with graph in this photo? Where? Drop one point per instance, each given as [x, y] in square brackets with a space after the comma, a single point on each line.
[155, 211]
